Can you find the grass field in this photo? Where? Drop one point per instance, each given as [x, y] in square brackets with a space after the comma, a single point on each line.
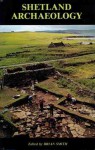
[6, 96]
[37, 45]
[53, 86]
[77, 59]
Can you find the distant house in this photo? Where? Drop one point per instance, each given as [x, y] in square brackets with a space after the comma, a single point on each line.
[52, 45]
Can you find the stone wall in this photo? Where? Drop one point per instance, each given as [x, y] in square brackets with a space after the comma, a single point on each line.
[14, 70]
[25, 77]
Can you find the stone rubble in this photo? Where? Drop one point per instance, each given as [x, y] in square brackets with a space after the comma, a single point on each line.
[65, 126]
[36, 123]
[81, 108]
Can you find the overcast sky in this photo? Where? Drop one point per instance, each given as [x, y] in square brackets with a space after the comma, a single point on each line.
[8, 28]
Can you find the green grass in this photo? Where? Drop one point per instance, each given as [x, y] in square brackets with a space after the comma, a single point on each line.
[37, 45]
[12, 42]
[6, 96]
[52, 86]
[88, 83]
[62, 88]
[7, 117]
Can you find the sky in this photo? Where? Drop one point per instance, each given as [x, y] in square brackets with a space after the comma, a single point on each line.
[17, 28]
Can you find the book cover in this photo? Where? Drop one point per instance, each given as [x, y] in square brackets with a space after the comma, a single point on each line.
[47, 77]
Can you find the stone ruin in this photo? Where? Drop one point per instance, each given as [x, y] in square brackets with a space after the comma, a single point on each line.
[23, 76]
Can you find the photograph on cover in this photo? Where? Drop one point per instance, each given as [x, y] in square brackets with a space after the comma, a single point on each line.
[47, 81]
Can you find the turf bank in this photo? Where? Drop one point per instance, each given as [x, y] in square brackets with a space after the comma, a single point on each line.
[52, 15]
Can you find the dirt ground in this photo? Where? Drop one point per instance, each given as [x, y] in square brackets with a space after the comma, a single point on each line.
[48, 98]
